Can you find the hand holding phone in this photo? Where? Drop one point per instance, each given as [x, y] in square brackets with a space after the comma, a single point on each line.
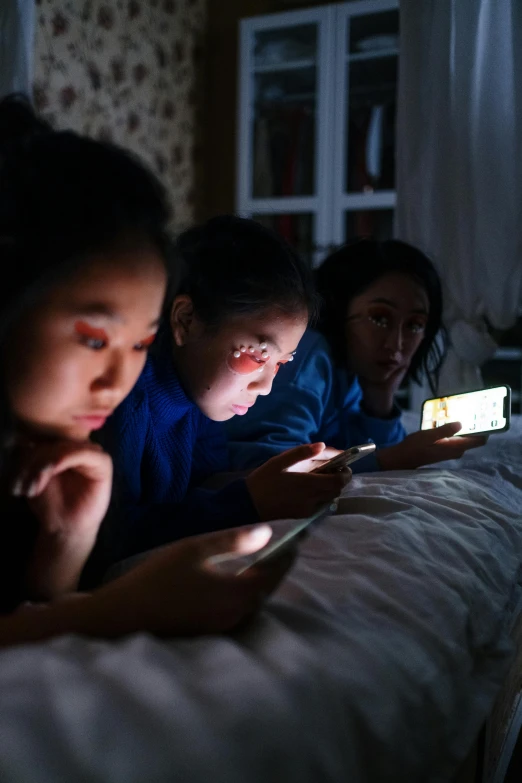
[280, 492]
[480, 412]
[426, 447]
[274, 549]
[346, 458]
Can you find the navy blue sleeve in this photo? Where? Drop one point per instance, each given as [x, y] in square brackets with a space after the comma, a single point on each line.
[382, 431]
[359, 427]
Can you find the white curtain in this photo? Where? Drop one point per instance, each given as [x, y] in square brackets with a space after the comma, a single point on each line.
[459, 161]
[16, 46]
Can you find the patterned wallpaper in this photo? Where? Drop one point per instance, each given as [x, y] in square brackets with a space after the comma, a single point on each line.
[128, 71]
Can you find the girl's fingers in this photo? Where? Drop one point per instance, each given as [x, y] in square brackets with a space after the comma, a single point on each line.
[48, 460]
[473, 441]
[458, 446]
[326, 455]
[329, 482]
[346, 475]
[27, 479]
[230, 544]
[94, 465]
[253, 540]
[39, 482]
[298, 454]
[445, 431]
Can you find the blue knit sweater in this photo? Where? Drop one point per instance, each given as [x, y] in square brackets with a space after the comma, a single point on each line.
[163, 447]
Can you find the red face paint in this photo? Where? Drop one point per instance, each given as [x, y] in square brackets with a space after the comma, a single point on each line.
[246, 363]
[251, 361]
[147, 342]
[91, 333]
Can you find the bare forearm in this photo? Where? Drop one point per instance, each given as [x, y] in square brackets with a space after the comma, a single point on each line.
[85, 614]
[56, 565]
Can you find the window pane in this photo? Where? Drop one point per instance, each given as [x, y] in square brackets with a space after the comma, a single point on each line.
[371, 125]
[372, 63]
[373, 32]
[285, 45]
[284, 133]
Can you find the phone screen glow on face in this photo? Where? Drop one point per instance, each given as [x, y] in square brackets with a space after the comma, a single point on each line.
[479, 411]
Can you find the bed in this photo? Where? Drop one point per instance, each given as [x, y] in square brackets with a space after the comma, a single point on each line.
[380, 658]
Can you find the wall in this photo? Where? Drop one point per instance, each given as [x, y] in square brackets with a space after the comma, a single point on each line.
[129, 71]
[221, 93]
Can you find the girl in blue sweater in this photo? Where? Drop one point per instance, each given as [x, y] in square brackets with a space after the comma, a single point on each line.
[83, 243]
[381, 315]
[243, 304]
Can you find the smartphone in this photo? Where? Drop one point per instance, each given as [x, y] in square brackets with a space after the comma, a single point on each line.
[342, 461]
[275, 549]
[480, 412]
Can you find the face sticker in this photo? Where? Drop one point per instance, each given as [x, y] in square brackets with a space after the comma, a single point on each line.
[247, 360]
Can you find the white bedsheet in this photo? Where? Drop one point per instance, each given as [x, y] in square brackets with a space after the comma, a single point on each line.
[378, 659]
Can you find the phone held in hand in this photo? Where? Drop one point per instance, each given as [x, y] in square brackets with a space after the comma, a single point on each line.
[480, 412]
[342, 461]
[288, 541]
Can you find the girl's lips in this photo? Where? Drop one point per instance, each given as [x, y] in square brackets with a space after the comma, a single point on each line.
[391, 365]
[389, 361]
[240, 410]
[94, 422]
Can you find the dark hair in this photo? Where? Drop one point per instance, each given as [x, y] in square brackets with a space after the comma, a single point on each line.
[64, 197]
[349, 271]
[233, 266]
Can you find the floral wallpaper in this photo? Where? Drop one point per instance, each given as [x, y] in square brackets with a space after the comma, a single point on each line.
[128, 71]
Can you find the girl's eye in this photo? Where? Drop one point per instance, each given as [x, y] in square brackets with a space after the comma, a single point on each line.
[93, 344]
[246, 363]
[379, 320]
[90, 336]
[144, 345]
[416, 327]
[248, 359]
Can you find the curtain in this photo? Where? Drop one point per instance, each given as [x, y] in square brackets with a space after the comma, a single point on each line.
[459, 165]
[16, 46]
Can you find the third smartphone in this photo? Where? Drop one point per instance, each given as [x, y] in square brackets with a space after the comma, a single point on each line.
[480, 412]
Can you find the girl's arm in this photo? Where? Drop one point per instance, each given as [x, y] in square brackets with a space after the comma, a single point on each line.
[360, 425]
[202, 599]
